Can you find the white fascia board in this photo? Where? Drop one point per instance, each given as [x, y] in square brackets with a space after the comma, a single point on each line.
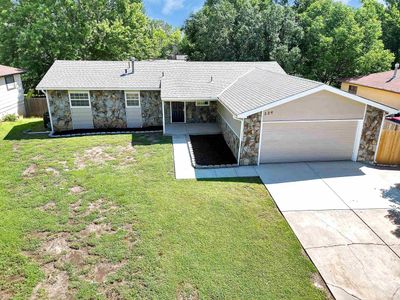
[97, 89]
[323, 87]
[185, 99]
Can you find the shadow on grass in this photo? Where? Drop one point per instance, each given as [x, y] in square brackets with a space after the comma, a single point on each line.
[18, 132]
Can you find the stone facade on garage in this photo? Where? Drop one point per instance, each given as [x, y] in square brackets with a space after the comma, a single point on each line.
[60, 110]
[231, 139]
[150, 102]
[370, 134]
[108, 109]
[201, 114]
[250, 140]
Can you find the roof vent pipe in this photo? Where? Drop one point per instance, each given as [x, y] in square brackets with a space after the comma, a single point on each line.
[396, 68]
[133, 64]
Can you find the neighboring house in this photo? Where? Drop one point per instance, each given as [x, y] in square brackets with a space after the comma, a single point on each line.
[11, 91]
[383, 87]
[265, 115]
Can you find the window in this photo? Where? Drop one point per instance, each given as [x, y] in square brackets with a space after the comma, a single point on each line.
[79, 99]
[132, 99]
[202, 103]
[10, 82]
[353, 89]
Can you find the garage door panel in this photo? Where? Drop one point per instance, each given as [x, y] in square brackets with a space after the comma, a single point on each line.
[307, 141]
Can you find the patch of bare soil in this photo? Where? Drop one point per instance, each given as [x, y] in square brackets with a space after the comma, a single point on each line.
[63, 248]
[102, 270]
[30, 171]
[76, 189]
[49, 206]
[15, 147]
[53, 171]
[187, 291]
[95, 155]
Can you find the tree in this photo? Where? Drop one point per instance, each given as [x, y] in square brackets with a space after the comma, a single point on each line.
[390, 19]
[34, 33]
[339, 42]
[243, 30]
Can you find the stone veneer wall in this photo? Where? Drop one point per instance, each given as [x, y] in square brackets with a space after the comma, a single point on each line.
[60, 110]
[231, 139]
[150, 101]
[108, 109]
[167, 112]
[251, 140]
[201, 114]
[370, 134]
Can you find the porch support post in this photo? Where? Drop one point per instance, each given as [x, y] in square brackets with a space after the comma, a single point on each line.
[163, 116]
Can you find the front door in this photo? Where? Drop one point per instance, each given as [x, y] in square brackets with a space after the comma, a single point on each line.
[178, 112]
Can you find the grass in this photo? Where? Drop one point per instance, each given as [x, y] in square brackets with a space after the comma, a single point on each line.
[95, 217]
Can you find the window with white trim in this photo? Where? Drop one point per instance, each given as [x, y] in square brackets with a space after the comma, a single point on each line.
[202, 103]
[10, 82]
[79, 99]
[132, 99]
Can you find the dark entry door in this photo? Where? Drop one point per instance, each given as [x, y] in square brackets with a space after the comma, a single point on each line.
[178, 111]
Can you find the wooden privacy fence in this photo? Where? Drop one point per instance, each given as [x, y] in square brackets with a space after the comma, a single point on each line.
[389, 145]
[35, 107]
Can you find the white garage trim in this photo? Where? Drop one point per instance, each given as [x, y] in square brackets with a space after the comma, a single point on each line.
[357, 140]
[48, 108]
[240, 141]
[323, 87]
[379, 137]
[260, 142]
[313, 121]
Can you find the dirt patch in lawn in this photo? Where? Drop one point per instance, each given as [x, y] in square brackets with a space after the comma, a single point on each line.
[68, 257]
[211, 150]
[100, 155]
[187, 291]
[30, 171]
[95, 155]
[76, 189]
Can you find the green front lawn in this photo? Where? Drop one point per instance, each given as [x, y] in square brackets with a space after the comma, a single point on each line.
[103, 217]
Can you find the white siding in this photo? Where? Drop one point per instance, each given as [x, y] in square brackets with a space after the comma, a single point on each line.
[234, 124]
[82, 117]
[12, 101]
[308, 141]
[134, 117]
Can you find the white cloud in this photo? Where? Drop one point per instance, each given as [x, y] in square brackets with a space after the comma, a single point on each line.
[171, 5]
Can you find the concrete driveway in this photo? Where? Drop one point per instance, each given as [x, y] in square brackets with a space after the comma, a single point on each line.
[347, 217]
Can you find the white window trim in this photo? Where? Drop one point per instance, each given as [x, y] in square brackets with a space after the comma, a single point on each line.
[79, 92]
[132, 92]
[198, 104]
[8, 85]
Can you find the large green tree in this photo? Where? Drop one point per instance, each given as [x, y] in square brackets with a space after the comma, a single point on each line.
[34, 33]
[244, 30]
[391, 27]
[340, 42]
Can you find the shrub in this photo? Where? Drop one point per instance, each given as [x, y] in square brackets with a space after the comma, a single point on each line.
[10, 118]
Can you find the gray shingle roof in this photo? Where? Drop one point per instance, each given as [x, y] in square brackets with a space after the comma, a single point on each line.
[260, 87]
[203, 80]
[109, 75]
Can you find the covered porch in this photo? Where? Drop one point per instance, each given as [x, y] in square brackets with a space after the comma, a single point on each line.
[191, 128]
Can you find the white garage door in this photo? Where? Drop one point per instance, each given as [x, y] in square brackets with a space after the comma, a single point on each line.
[308, 141]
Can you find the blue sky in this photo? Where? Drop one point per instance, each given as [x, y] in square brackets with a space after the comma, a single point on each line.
[176, 11]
